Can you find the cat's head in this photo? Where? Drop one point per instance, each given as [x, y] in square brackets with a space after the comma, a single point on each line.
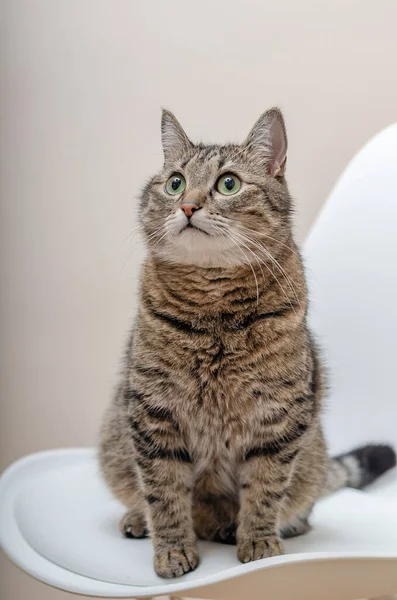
[219, 205]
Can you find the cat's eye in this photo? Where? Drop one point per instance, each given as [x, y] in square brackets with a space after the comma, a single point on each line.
[175, 184]
[228, 184]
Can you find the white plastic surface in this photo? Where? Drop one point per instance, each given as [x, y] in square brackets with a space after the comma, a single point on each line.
[59, 523]
[67, 516]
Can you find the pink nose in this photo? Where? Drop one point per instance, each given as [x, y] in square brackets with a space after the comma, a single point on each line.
[189, 208]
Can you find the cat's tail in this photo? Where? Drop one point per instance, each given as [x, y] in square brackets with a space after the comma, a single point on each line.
[360, 467]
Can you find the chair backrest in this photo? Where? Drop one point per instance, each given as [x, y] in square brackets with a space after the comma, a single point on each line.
[351, 259]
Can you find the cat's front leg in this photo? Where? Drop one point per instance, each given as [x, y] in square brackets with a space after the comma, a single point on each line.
[265, 472]
[166, 475]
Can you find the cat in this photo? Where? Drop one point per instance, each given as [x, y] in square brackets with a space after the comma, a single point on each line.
[215, 430]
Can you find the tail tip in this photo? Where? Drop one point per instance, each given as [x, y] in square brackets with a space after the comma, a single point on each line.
[374, 460]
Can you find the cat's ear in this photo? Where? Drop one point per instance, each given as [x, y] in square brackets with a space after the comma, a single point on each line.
[175, 142]
[267, 140]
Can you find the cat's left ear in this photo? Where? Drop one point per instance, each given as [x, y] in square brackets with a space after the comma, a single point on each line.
[176, 144]
[267, 140]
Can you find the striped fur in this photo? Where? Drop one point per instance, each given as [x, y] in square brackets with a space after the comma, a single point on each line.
[215, 428]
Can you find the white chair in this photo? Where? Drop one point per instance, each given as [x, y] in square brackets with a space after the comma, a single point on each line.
[59, 523]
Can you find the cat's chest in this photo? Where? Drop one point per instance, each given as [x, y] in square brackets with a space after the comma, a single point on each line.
[216, 450]
[222, 411]
[224, 377]
[219, 417]
[221, 353]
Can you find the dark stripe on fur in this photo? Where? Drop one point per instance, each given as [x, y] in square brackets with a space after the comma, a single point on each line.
[160, 413]
[274, 448]
[176, 323]
[254, 318]
[278, 496]
[186, 162]
[151, 371]
[146, 446]
[277, 418]
[151, 499]
[289, 457]
[314, 380]
[130, 394]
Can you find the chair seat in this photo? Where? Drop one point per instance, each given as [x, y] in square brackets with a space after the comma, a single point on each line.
[59, 523]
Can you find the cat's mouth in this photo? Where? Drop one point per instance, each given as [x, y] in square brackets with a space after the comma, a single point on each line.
[191, 226]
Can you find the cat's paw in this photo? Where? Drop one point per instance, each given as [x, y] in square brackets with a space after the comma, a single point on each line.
[133, 525]
[174, 562]
[249, 550]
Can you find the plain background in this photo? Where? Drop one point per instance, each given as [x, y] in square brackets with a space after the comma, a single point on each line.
[81, 86]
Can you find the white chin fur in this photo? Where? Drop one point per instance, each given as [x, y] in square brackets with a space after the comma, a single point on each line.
[193, 247]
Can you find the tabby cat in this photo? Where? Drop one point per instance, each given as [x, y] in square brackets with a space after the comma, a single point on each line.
[215, 431]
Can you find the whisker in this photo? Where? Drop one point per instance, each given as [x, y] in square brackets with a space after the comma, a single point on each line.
[275, 277]
[268, 253]
[287, 278]
[254, 255]
[132, 233]
[152, 236]
[249, 249]
[159, 240]
[228, 236]
[259, 234]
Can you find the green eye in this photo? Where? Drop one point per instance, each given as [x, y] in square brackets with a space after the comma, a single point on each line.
[228, 184]
[175, 184]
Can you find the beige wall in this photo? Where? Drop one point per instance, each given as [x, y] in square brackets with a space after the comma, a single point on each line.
[82, 82]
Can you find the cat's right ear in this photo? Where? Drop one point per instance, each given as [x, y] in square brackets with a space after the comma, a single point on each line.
[175, 142]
